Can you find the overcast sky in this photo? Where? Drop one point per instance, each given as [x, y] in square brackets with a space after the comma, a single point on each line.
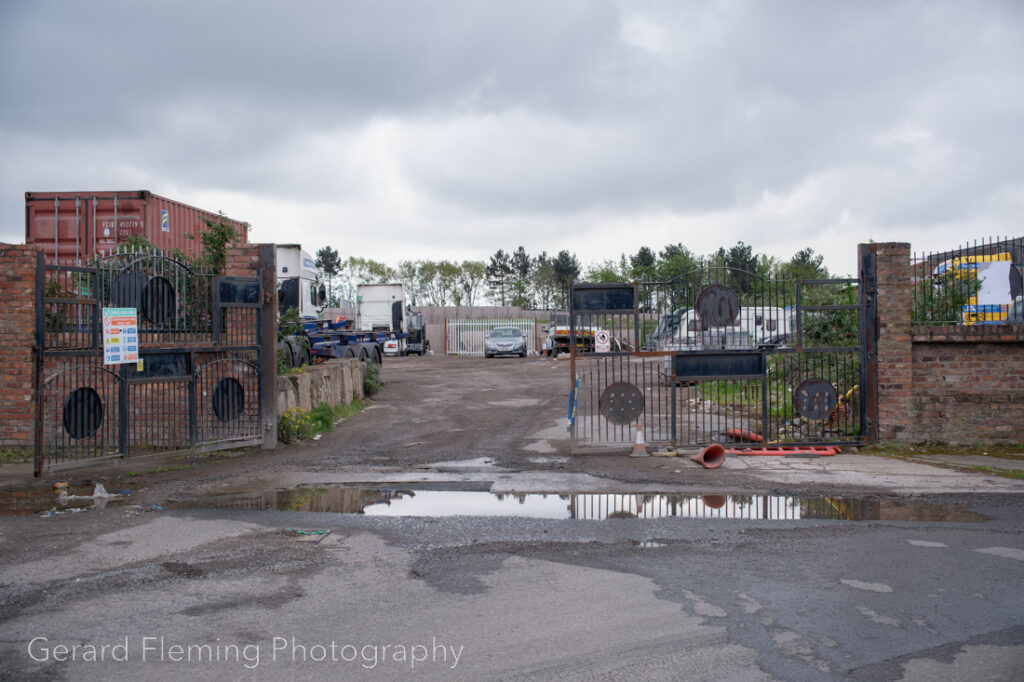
[447, 130]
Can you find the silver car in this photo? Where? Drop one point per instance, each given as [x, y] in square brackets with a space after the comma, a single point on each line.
[505, 341]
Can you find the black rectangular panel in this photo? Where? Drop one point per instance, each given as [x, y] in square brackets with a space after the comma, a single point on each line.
[719, 364]
[161, 365]
[603, 297]
[238, 290]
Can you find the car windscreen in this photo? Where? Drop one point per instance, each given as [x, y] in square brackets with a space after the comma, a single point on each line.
[507, 333]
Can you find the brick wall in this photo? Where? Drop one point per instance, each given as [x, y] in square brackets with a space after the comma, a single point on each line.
[17, 339]
[956, 384]
[968, 384]
[242, 260]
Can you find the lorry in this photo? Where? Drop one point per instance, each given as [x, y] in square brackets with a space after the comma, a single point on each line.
[383, 325]
[557, 335]
[383, 308]
[75, 227]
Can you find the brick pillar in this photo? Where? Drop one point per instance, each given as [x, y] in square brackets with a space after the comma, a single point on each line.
[895, 348]
[242, 260]
[18, 341]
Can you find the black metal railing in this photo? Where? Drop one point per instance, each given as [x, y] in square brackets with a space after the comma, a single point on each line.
[977, 283]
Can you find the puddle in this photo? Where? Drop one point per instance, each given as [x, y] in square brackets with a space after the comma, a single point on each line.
[405, 502]
[475, 463]
[47, 502]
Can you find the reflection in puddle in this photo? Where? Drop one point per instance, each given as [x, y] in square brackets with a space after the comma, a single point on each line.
[39, 500]
[596, 506]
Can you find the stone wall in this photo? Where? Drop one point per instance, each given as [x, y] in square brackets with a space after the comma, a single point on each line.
[335, 382]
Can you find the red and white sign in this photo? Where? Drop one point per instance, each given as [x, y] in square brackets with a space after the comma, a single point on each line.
[602, 341]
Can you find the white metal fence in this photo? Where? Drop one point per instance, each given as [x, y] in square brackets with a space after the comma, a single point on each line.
[466, 337]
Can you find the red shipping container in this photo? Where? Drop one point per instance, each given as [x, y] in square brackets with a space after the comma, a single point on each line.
[74, 226]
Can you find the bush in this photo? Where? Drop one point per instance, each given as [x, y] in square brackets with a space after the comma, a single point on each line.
[372, 383]
[297, 424]
[294, 425]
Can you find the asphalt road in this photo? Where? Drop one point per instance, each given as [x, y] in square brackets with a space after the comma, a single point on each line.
[166, 584]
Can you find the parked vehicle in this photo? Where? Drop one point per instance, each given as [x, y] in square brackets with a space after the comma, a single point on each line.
[662, 335]
[1016, 314]
[383, 308]
[505, 341]
[383, 325]
[754, 327]
[557, 335]
[73, 227]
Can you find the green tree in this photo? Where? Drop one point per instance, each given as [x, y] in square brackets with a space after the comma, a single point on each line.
[606, 272]
[215, 242]
[439, 281]
[566, 266]
[471, 280]
[545, 284]
[520, 290]
[642, 264]
[742, 264]
[499, 275]
[408, 273]
[329, 263]
[674, 262]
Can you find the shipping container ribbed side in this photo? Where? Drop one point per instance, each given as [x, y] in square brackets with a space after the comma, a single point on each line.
[72, 227]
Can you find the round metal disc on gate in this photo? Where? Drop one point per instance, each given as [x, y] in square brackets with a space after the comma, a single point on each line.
[126, 290]
[815, 399]
[228, 399]
[83, 412]
[158, 300]
[621, 403]
[718, 306]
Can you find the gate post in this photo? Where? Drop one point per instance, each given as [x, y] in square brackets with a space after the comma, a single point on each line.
[894, 371]
[267, 274]
[869, 341]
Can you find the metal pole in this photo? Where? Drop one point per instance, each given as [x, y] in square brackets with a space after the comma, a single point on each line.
[78, 228]
[115, 224]
[56, 230]
[95, 214]
[40, 351]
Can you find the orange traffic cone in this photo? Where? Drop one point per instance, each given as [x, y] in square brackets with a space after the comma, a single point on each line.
[639, 449]
[711, 457]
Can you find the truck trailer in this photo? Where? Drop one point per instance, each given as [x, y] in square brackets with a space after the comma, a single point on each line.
[383, 325]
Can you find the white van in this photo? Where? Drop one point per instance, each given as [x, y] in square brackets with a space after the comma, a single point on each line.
[754, 327]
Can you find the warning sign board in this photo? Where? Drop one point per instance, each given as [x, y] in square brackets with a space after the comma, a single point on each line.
[602, 341]
[120, 336]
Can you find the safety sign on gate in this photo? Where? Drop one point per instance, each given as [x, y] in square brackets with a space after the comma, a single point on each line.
[120, 336]
[602, 341]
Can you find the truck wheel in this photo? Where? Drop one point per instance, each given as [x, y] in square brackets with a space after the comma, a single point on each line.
[364, 355]
[376, 357]
[347, 352]
[292, 352]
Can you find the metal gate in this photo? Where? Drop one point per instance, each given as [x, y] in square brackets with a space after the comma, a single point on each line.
[466, 337]
[197, 382]
[721, 355]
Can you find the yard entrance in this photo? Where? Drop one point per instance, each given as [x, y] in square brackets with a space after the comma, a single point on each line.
[722, 355]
